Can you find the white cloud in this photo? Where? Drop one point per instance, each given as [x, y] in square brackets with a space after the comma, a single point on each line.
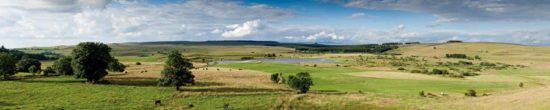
[216, 31]
[357, 15]
[59, 22]
[322, 36]
[464, 10]
[53, 5]
[241, 30]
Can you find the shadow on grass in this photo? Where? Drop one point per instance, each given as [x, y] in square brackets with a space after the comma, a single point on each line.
[52, 81]
[206, 84]
[229, 89]
[131, 81]
[5, 104]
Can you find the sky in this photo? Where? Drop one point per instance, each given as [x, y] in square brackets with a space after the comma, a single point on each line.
[29, 23]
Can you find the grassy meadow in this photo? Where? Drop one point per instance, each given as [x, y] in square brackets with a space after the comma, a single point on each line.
[349, 83]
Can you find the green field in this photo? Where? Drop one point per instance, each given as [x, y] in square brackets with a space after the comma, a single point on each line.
[372, 84]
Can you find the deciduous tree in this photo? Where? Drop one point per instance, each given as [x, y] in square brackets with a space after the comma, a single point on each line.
[176, 71]
[7, 65]
[90, 60]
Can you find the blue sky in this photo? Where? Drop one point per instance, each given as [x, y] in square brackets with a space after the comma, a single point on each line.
[26, 23]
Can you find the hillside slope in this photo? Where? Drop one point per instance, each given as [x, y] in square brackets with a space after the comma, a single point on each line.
[499, 52]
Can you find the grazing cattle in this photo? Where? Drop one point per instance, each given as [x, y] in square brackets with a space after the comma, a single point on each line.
[157, 102]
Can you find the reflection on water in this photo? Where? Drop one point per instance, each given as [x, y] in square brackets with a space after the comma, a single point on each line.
[278, 60]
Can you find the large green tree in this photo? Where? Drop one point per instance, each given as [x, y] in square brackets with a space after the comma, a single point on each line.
[176, 71]
[302, 82]
[89, 61]
[62, 66]
[7, 65]
[24, 64]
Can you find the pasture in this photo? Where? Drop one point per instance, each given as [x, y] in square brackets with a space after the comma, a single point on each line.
[347, 83]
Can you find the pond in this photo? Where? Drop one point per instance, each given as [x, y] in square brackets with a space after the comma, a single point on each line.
[279, 60]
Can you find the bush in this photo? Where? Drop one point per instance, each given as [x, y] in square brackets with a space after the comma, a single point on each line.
[467, 73]
[62, 66]
[247, 58]
[440, 72]
[456, 75]
[416, 71]
[454, 41]
[401, 68]
[302, 82]
[471, 93]
[7, 65]
[487, 64]
[116, 66]
[33, 69]
[24, 64]
[48, 71]
[521, 84]
[138, 63]
[455, 55]
[477, 57]
[422, 94]
[465, 62]
[277, 78]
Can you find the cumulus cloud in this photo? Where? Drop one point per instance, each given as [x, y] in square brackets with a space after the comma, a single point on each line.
[71, 21]
[241, 30]
[322, 36]
[357, 15]
[464, 10]
[59, 22]
[53, 5]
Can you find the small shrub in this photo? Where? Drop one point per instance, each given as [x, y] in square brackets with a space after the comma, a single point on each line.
[138, 63]
[471, 93]
[275, 77]
[440, 72]
[48, 71]
[465, 62]
[467, 73]
[416, 71]
[477, 57]
[487, 64]
[521, 84]
[401, 68]
[454, 41]
[301, 81]
[422, 94]
[247, 58]
[455, 55]
[456, 75]
[33, 69]
[115, 66]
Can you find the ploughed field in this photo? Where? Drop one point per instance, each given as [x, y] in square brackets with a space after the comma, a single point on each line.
[392, 80]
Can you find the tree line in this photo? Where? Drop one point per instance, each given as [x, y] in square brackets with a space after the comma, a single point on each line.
[92, 61]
